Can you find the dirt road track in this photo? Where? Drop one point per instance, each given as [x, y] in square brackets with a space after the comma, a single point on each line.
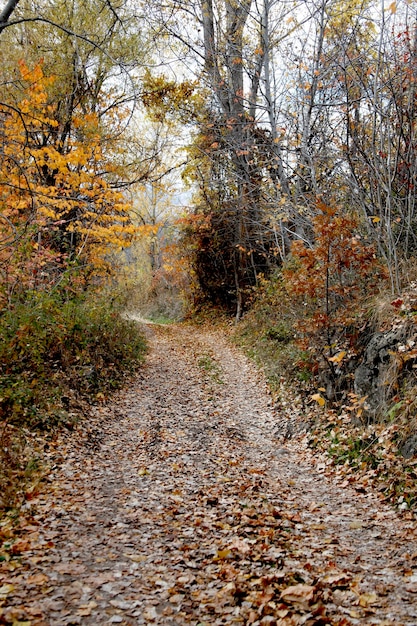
[182, 508]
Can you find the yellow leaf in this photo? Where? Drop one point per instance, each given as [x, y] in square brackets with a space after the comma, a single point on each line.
[375, 219]
[338, 358]
[393, 7]
[136, 558]
[222, 554]
[356, 525]
[319, 399]
[5, 590]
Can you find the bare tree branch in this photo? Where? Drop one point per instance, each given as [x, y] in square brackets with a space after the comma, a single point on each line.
[7, 11]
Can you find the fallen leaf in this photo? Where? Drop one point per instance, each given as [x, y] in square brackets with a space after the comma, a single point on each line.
[86, 609]
[229, 588]
[336, 579]
[397, 303]
[176, 598]
[150, 613]
[366, 599]
[222, 554]
[317, 397]
[294, 594]
[355, 525]
[240, 545]
[136, 558]
[5, 590]
[37, 579]
[19, 547]
[122, 604]
[338, 358]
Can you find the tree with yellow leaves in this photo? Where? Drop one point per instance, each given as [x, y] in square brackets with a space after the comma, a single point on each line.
[57, 207]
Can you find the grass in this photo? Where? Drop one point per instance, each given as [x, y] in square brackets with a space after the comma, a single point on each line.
[210, 366]
[266, 334]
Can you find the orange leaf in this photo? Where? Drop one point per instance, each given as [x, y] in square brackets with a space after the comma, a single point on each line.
[319, 399]
[338, 358]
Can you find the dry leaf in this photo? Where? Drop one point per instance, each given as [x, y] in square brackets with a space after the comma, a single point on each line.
[5, 590]
[222, 554]
[303, 594]
[356, 525]
[336, 579]
[240, 545]
[317, 397]
[37, 579]
[86, 609]
[338, 358]
[366, 599]
[136, 558]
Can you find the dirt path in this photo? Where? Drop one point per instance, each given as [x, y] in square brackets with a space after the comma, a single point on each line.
[182, 508]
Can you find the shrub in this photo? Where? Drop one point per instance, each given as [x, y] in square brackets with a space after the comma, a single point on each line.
[266, 332]
[54, 350]
[327, 280]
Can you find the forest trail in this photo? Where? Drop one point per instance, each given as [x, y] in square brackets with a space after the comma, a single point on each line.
[181, 507]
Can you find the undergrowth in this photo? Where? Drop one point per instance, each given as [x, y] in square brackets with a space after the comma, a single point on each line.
[368, 455]
[378, 452]
[267, 336]
[56, 354]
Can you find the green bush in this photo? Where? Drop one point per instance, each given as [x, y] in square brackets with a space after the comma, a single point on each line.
[267, 335]
[55, 350]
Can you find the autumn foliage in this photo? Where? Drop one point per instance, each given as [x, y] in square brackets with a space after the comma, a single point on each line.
[61, 221]
[326, 281]
[57, 208]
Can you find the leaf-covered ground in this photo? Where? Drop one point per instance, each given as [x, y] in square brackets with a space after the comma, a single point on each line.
[177, 505]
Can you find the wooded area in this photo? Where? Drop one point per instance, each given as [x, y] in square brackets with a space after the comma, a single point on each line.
[243, 171]
[258, 157]
[293, 112]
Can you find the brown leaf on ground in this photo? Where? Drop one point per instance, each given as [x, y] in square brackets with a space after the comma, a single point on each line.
[184, 509]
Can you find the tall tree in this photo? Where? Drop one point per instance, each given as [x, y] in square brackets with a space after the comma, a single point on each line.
[80, 147]
[57, 208]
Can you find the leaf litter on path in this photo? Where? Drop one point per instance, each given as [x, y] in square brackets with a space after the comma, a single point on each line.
[186, 510]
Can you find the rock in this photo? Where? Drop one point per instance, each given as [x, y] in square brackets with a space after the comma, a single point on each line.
[409, 447]
[376, 376]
